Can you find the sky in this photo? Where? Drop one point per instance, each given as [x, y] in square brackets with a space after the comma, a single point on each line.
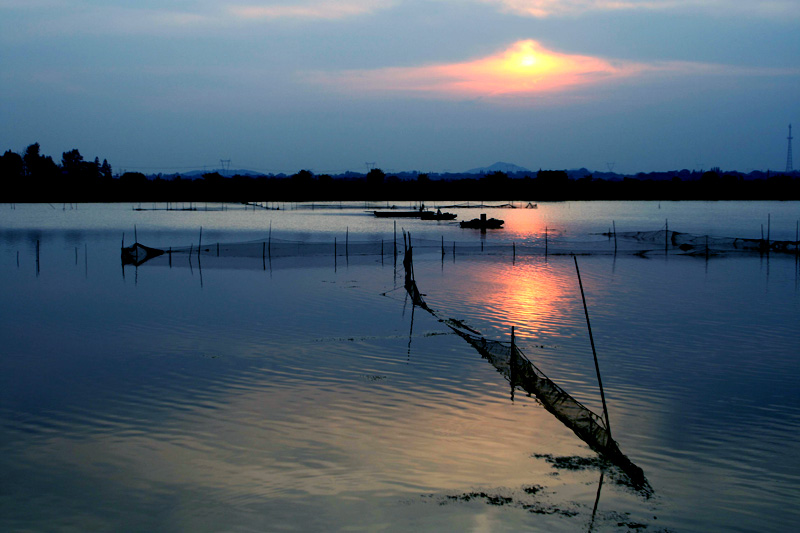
[403, 85]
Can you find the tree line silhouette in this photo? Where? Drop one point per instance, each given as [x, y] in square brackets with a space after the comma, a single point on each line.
[35, 177]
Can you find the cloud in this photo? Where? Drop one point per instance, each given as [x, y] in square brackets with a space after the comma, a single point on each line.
[320, 9]
[33, 18]
[525, 68]
[524, 71]
[547, 8]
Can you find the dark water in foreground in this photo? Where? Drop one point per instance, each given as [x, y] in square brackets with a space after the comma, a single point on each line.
[309, 395]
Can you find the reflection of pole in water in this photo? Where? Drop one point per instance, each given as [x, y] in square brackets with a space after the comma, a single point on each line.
[596, 500]
[410, 331]
[769, 222]
[512, 365]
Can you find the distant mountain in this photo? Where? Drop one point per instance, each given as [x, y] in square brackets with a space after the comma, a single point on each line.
[497, 167]
[228, 173]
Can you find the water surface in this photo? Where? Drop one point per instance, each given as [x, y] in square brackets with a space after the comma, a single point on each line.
[306, 393]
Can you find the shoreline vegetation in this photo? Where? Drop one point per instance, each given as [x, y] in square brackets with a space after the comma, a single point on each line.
[34, 177]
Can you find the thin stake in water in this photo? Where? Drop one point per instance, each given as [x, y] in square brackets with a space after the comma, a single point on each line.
[614, 225]
[594, 351]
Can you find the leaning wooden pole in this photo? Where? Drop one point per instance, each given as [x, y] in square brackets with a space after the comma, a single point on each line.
[594, 351]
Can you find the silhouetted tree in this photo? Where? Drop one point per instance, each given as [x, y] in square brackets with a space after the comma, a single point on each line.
[43, 175]
[12, 167]
[376, 177]
[71, 163]
[105, 170]
[302, 180]
[39, 166]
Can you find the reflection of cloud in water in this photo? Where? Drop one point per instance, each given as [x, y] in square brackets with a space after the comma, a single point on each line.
[299, 429]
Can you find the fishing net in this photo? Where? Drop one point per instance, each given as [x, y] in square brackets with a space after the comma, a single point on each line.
[556, 243]
[692, 243]
[522, 373]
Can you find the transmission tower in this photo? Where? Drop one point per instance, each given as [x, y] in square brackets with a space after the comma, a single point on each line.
[789, 167]
[225, 165]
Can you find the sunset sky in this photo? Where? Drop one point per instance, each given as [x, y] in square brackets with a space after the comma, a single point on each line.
[428, 85]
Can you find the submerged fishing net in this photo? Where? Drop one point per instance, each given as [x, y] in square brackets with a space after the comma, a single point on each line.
[522, 373]
[691, 243]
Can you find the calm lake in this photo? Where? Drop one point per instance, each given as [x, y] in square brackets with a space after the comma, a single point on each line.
[293, 386]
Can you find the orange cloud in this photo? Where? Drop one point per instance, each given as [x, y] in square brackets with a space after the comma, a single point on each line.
[526, 68]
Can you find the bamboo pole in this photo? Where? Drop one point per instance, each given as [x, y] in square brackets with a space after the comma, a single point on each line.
[614, 224]
[769, 216]
[545, 241]
[594, 351]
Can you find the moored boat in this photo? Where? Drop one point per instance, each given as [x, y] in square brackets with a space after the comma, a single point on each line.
[400, 214]
[483, 223]
[438, 215]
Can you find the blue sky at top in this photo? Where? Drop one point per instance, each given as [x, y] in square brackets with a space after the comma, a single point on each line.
[412, 85]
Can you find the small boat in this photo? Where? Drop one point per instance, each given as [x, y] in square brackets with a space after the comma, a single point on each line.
[400, 214]
[438, 215]
[482, 223]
